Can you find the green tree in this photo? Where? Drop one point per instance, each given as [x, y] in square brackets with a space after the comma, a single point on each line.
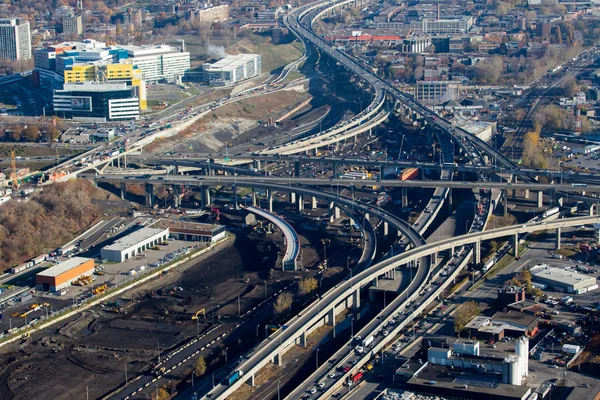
[463, 314]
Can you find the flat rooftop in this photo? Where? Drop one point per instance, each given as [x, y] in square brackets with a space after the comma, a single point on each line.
[63, 267]
[133, 239]
[561, 276]
[515, 318]
[452, 384]
[183, 226]
[231, 62]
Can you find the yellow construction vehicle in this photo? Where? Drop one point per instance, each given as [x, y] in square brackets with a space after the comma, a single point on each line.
[34, 306]
[195, 316]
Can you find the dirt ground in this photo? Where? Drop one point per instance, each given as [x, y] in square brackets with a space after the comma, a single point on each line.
[93, 349]
[216, 129]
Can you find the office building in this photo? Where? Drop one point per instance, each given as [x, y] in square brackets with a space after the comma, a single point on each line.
[433, 92]
[563, 280]
[99, 73]
[232, 69]
[62, 275]
[72, 25]
[134, 244]
[210, 14]
[159, 63]
[15, 39]
[93, 101]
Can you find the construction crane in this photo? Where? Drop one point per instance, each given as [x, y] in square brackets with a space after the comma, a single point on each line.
[13, 175]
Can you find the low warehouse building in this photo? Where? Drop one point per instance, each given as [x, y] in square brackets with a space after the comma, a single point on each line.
[62, 275]
[134, 244]
[192, 231]
[564, 280]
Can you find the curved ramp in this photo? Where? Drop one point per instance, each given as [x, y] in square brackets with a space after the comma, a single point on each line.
[292, 251]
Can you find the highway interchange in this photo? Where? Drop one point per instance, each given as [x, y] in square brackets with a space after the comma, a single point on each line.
[417, 257]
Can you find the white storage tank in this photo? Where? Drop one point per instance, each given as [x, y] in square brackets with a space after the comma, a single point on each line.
[510, 371]
[522, 350]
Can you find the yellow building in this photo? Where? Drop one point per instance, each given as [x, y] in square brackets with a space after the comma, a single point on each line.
[107, 73]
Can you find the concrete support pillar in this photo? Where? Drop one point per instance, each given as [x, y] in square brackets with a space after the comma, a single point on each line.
[292, 198]
[256, 164]
[314, 203]
[591, 210]
[504, 197]
[558, 232]
[253, 198]
[386, 229]
[270, 200]
[352, 190]
[367, 216]
[375, 281]
[235, 197]
[404, 197]
[124, 190]
[331, 317]
[176, 196]
[450, 200]
[515, 244]
[514, 194]
[526, 195]
[335, 168]
[205, 197]
[559, 200]
[300, 203]
[149, 194]
[381, 170]
[540, 199]
[251, 380]
[434, 259]
[477, 251]
[296, 168]
[356, 299]
[279, 358]
[303, 336]
[177, 170]
[337, 212]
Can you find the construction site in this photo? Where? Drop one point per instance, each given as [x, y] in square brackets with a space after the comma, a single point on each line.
[206, 296]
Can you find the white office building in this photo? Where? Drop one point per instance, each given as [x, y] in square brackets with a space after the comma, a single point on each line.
[97, 101]
[15, 39]
[232, 69]
[134, 244]
[159, 63]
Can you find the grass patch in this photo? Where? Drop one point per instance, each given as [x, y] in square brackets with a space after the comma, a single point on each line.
[566, 252]
[273, 56]
[292, 75]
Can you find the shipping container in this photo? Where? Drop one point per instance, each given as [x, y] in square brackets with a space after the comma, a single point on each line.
[408, 174]
[234, 377]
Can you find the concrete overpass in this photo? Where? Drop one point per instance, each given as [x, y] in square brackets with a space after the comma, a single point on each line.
[293, 184]
[347, 289]
[290, 258]
[257, 160]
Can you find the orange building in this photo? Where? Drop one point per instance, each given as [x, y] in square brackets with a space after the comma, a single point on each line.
[62, 275]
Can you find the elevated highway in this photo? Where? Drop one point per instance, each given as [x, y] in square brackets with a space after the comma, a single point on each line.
[295, 184]
[290, 258]
[217, 160]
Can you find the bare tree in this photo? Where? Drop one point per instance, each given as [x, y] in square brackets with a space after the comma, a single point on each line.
[283, 303]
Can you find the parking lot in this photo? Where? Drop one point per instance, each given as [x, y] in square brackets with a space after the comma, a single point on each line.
[43, 304]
